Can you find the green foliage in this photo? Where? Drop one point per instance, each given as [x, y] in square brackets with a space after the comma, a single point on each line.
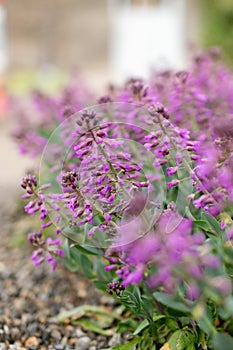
[169, 302]
[217, 26]
[128, 346]
[182, 340]
[222, 341]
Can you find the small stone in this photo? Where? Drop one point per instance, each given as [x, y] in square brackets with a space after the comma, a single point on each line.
[106, 300]
[26, 319]
[56, 334]
[32, 341]
[69, 330]
[12, 347]
[83, 343]
[15, 333]
[72, 341]
[93, 343]
[6, 329]
[3, 346]
[101, 339]
[42, 319]
[64, 340]
[33, 347]
[79, 333]
[17, 322]
[59, 346]
[115, 340]
[32, 328]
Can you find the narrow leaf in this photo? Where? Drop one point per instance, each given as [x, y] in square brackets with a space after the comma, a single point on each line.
[169, 301]
[84, 310]
[144, 324]
[128, 346]
[92, 326]
[222, 341]
[88, 249]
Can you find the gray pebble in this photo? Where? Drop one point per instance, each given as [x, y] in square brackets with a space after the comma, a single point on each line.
[32, 328]
[83, 343]
[15, 333]
[59, 346]
[115, 340]
[79, 333]
[55, 334]
[33, 347]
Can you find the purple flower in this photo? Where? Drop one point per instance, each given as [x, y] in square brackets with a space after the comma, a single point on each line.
[51, 261]
[43, 212]
[51, 241]
[107, 217]
[37, 257]
[173, 183]
[171, 170]
[134, 277]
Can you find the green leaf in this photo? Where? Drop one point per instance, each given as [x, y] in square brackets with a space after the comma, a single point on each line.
[128, 346]
[84, 310]
[214, 224]
[222, 341]
[74, 234]
[126, 325]
[92, 326]
[99, 268]
[203, 225]
[88, 249]
[87, 266]
[191, 347]
[181, 339]
[204, 318]
[137, 294]
[66, 248]
[130, 301]
[71, 265]
[100, 285]
[147, 304]
[144, 324]
[194, 211]
[72, 260]
[169, 301]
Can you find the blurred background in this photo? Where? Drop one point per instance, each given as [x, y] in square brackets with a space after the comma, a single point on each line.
[42, 41]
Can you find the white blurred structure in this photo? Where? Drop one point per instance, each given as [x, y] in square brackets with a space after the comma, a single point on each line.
[146, 34]
[3, 50]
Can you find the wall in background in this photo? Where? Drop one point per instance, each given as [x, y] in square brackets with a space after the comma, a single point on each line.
[67, 33]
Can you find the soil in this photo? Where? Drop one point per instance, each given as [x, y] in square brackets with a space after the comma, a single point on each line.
[31, 298]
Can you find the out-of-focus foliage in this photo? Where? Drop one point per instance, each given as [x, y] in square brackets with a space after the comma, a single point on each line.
[218, 26]
[21, 83]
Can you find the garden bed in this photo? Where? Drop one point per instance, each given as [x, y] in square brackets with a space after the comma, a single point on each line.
[31, 299]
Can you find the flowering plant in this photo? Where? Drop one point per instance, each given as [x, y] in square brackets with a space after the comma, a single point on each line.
[140, 187]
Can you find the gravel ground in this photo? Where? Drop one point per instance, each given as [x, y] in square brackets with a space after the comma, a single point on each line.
[30, 299]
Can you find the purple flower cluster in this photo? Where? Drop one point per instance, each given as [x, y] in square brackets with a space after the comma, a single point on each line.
[165, 141]
[45, 248]
[39, 115]
[170, 255]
